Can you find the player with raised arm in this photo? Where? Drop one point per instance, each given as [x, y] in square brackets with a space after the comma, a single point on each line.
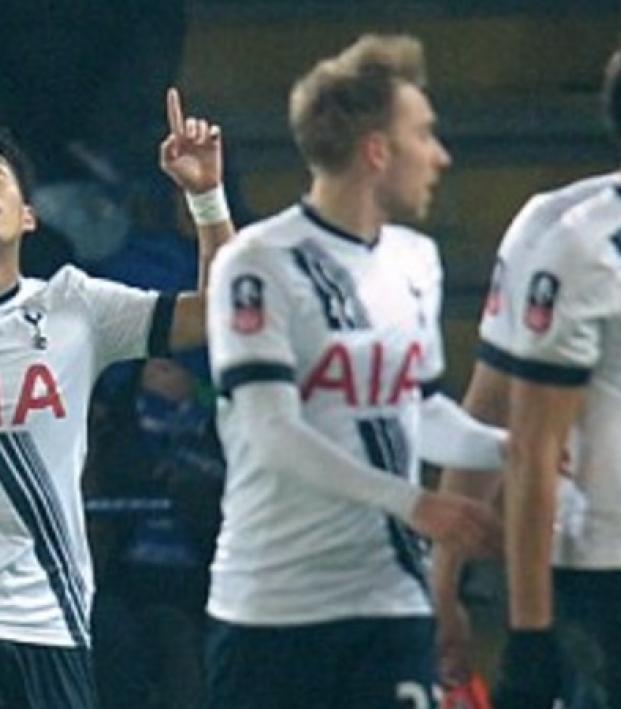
[56, 337]
[549, 366]
[326, 348]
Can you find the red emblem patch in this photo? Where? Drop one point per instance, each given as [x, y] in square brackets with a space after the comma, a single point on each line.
[248, 307]
[542, 294]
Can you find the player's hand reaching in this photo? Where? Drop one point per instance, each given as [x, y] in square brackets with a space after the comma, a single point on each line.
[191, 154]
[470, 527]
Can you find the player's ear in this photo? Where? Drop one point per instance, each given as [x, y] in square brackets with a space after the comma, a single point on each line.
[29, 219]
[375, 150]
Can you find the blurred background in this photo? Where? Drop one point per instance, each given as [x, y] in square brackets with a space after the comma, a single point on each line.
[82, 83]
[515, 84]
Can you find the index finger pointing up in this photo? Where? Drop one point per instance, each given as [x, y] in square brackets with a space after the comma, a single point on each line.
[174, 111]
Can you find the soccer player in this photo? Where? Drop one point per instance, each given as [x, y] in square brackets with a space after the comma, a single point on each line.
[549, 365]
[55, 338]
[326, 348]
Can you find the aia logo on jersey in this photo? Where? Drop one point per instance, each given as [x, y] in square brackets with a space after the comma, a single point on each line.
[38, 391]
[542, 293]
[371, 383]
[248, 307]
[493, 303]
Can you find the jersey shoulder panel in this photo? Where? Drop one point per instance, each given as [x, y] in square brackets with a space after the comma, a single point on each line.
[552, 210]
[414, 251]
[263, 247]
[69, 283]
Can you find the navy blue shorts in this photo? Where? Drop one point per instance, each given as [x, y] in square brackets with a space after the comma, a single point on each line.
[378, 663]
[45, 677]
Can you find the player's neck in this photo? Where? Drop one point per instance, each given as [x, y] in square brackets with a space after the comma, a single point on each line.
[347, 205]
[9, 269]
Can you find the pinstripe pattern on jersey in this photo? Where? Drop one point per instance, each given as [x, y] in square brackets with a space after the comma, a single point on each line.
[387, 448]
[26, 482]
[334, 287]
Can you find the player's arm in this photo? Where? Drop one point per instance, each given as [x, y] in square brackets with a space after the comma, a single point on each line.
[191, 155]
[252, 308]
[540, 419]
[282, 442]
[486, 400]
[471, 445]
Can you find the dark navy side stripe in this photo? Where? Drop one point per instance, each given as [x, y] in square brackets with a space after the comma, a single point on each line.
[161, 325]
[25, 481]
[324, 294]
[53, 528]
[386, 447]
[532, 370]
[334, 286]
[252, 372]
[39, 478]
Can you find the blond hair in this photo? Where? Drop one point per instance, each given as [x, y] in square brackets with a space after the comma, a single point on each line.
[347, 96]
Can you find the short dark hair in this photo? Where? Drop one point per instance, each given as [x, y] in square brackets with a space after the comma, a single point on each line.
[18, 161]
[611, 94]
[346, 96]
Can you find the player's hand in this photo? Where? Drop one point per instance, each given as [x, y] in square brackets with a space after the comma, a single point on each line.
[191, 154]
[469, 527]
[529, 674]
[454, 644]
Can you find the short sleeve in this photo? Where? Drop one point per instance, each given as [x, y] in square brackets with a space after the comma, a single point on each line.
[249, 315]
[547, 313]
[119, 316]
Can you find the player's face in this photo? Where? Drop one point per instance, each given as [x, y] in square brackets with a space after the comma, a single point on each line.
[417, 157]
[16, 216]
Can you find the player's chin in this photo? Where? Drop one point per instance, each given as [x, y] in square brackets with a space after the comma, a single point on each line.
[422, 207]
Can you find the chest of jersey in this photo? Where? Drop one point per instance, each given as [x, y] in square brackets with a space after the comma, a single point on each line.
[41, 364]
[362, 330]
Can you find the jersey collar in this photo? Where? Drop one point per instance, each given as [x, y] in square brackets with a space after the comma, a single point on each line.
[10, 293]
[314, 216]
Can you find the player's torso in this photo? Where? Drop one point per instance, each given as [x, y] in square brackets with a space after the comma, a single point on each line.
[45, 378]
[589, 523]
[363, 335]
[364, 332]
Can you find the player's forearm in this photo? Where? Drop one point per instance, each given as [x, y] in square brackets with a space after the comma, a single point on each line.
[283, 443]
[450, 436]
[210, 238]
[541, 417]
[529, 512]
[448, 562]
[446, 569]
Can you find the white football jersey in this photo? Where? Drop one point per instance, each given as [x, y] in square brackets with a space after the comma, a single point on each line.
[355, 328]
[554, 316]
[55, 339]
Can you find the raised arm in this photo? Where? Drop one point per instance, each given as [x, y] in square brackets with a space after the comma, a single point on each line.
[191, 154]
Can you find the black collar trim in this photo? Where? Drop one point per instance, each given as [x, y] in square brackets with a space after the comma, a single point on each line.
[314, 216]
[11, 293]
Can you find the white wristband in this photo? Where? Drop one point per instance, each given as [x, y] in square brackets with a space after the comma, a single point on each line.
[208, 207]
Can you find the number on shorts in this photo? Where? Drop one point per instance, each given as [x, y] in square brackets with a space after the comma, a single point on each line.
[416, 694]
